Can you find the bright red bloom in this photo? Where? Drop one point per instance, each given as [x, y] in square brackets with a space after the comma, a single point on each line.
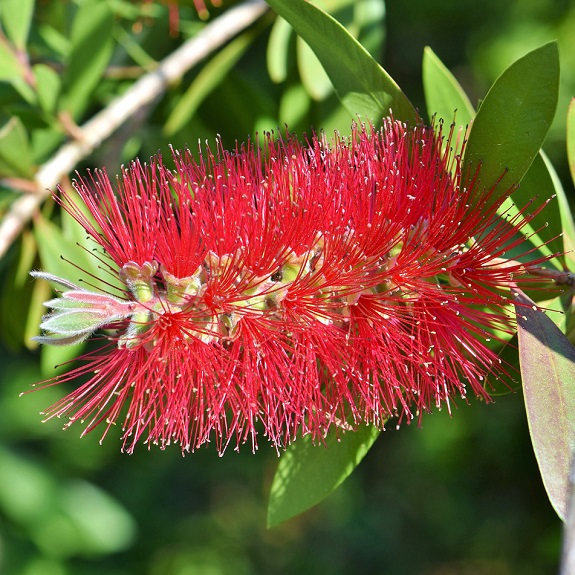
[288, 290]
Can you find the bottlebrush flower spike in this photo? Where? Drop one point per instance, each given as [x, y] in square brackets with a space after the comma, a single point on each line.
[286, 290]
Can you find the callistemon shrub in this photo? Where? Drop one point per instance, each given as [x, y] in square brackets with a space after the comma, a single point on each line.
[285, 290]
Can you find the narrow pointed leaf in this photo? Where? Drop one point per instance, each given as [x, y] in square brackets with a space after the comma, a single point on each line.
[564, 222]
[308, 473]
[209, 77]
[547, 361]
[92, 46]
[544, 230]
[15, 151]
[361, 84]
[571, 138]
[513, 120]
[444, 97]
[16, 20]
[48, 84]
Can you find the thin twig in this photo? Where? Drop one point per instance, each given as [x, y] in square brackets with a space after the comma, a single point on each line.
[142, 92]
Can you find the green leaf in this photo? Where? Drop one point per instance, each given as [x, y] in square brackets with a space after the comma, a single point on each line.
[210, 76]
[91, 49]
[571, 138]
[564, 207]
[544, 231]
[444, 97]
[68, 253]
[311, 72]
[48, 85]
[10, 68]
[18, 314]
[277, 53]
[101, 524]
[16, 20]
[564, 223]
[369, 17]
[361, 84]
[295, 103]
[15, 153]
[548, 371]
[513, 119]
[308, 473]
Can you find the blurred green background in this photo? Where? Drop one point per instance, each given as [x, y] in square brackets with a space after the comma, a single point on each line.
[462, 495]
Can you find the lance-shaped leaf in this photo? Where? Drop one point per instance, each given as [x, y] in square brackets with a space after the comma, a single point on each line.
[361, 84]
[547, 361]
[308, 473]
[571, 137]
[444, 97]
[513, 119]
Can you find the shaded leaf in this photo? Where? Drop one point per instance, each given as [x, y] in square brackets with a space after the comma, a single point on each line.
[547, 361]
[90, 51]
[308, 473]
[17, 313]
[361, 84]
[513, 119]
[30, 496]
[444, 97]
[210, 76]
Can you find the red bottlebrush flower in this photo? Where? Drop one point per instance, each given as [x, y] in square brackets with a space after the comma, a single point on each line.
[290, 290]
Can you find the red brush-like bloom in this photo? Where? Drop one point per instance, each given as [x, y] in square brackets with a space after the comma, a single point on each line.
[290, 290]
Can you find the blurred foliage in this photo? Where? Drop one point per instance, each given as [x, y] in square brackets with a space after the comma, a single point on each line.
[461, 496]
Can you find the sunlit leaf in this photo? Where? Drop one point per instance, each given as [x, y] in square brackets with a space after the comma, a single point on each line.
[513, 119]
[547, 361]
[360, 82]
[48, 84]
[566, 214]
[543, 232]
[16, 19]
[444, 97]
[308, 473]
[15, 153]
[369, 17]
[571, 138]
[277, 53]
[311, 71]
[564, 223]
